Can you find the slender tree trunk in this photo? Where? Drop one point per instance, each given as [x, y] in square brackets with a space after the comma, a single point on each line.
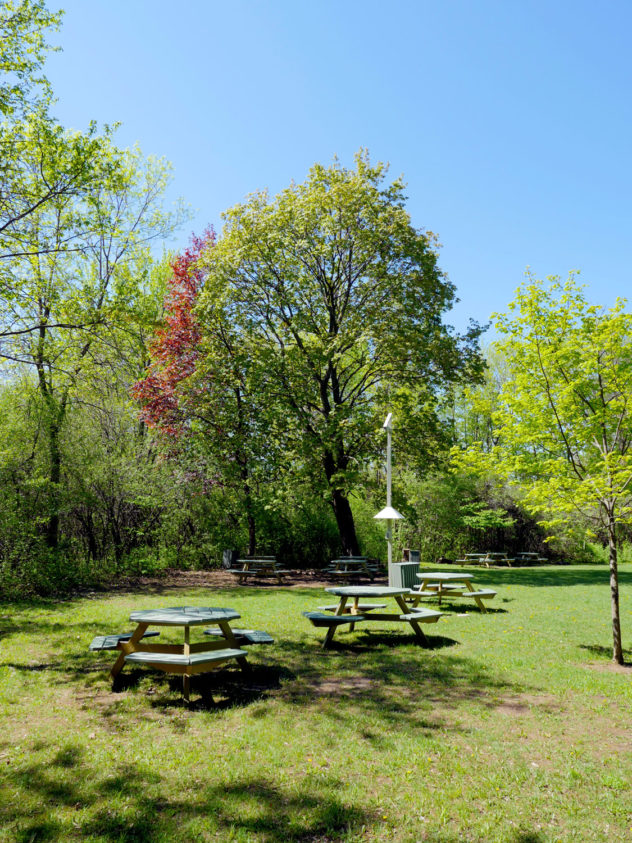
[248, 506]
[54, 477]
[617, 650]
[242, 460]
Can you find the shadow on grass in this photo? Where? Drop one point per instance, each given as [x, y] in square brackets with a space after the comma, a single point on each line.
[129, 802]
[384, 675]
[606, 652]
[547, 576]
[214, 691]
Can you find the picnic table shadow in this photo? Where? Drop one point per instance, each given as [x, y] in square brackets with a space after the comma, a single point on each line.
[217, 690]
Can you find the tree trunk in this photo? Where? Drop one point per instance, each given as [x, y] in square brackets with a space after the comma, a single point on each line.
[617, 650]
[341, 506]
[346, 525]
[252, 535]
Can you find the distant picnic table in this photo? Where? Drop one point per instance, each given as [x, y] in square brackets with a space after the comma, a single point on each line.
[440, 584]
[260, 566]
[350, 566]
[500, 558]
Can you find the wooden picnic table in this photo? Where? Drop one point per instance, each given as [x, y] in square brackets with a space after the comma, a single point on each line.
[449, 583]
[487, 559]
[356, 612]
[348, 566]
[261, 566]
[186, 659]
[527, 558]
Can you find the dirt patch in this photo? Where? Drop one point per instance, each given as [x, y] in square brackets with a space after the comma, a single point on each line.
[610, 667]
[526, 703]
[342, 686]
[174, 579]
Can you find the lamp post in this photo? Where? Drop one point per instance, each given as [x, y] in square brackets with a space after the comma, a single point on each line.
[389, 514]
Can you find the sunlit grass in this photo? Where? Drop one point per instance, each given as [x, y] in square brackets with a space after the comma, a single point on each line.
[512, 727]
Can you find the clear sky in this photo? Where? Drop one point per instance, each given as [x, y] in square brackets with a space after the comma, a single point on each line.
[510, 120]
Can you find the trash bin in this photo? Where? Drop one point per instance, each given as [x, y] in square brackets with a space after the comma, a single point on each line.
[229, 557]
[403, 574]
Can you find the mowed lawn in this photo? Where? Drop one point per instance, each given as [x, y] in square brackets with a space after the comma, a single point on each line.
[513, 726]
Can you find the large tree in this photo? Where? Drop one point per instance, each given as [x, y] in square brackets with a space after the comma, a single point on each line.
[563, 420]
[337, 301]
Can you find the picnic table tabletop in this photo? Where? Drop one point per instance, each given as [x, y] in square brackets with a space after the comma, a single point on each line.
[367, 591]
[183, 616]
[443, 576]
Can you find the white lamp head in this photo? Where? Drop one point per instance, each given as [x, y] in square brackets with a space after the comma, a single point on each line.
[389, 514]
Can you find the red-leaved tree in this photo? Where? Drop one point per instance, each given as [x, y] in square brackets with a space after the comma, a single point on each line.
[175, 348]
[207, 397]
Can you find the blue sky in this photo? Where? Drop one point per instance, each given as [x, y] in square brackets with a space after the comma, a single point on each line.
[510, 120]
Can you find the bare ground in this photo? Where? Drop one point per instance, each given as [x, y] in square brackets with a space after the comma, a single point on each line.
[175, 579]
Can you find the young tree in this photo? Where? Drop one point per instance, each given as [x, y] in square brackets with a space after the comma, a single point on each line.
[563, 425]
[337, 302]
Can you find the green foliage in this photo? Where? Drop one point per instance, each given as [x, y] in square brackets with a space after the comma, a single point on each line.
[563, 427]
[23, 48]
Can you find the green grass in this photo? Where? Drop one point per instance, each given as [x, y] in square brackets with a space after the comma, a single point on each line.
[511, 727]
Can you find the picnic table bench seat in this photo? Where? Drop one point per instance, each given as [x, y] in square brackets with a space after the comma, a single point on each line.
[179, 663]
[482, 592]
[423, 615]
[419, 593]
[111, 642]
[365, 607]
[323, 619]
[245, 636]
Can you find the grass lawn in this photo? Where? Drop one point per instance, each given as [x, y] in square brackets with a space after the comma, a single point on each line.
[513, 726]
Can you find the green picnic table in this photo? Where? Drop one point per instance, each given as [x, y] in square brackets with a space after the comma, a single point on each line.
[356, 612]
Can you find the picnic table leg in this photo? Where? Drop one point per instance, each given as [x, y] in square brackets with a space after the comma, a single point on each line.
[417, 597]
[332, 629]
[478, 600]
[186, 649]
[354, 611]
[128, 647]
[419, 635]
[229, 636]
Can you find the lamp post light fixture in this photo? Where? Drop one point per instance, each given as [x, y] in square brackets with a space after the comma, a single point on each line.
[389, 514]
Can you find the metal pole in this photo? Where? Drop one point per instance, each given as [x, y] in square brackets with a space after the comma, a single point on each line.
[389, 523]
[388, 466]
